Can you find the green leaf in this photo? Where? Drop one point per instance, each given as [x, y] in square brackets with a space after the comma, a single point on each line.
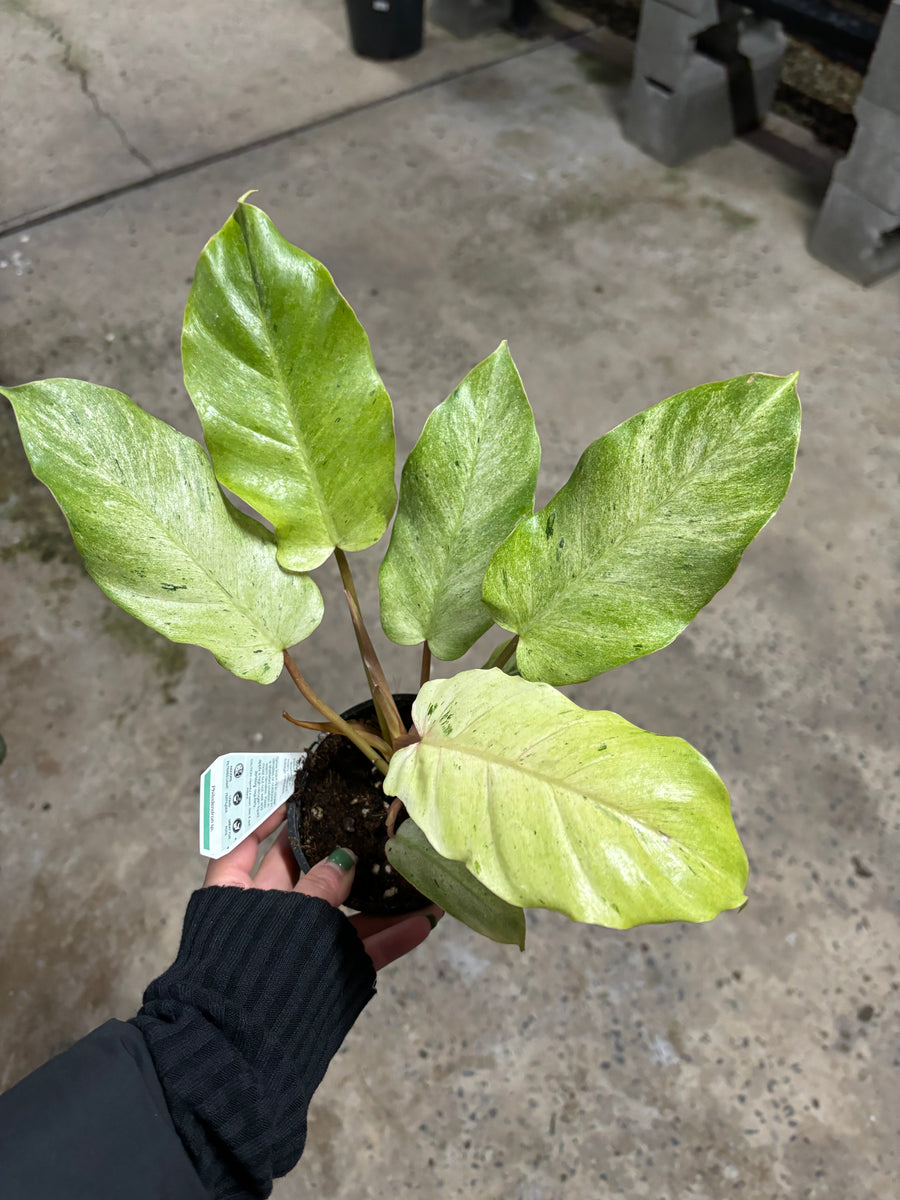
[553, 806]
[470, 477]
[296, 418]
[652, 523]
[155, 531]
[454, 888]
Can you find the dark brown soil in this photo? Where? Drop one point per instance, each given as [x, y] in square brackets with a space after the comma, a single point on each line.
[340, 803]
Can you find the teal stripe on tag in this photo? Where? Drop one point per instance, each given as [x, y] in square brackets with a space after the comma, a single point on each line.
[206, 784]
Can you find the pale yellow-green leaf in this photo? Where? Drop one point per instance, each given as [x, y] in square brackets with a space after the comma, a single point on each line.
[555, 806]
[155, 531]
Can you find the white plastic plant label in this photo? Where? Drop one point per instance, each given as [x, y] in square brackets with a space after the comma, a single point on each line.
[238, 792]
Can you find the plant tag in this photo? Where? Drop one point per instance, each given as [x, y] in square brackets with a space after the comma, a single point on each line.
[238, 792]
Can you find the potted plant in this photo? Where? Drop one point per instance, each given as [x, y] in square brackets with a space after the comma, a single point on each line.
[490, 791]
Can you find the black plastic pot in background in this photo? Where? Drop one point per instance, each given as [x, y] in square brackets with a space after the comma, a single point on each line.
[385, 29]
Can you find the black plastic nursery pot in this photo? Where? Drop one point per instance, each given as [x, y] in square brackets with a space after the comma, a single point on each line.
[385, 28]
[338, 801]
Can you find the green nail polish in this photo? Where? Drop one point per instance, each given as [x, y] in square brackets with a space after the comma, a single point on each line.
[342, 858]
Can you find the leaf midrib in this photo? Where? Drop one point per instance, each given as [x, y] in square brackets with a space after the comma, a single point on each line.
[280, 380]
[451, 744]
[592, 566]
[135, 502]
[439, 588]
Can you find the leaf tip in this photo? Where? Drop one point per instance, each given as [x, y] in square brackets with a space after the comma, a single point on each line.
[250, 192]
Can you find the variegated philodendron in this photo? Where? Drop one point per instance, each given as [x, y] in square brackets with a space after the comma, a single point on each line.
[517, 797]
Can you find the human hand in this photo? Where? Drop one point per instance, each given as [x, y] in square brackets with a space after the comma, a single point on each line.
[384, 938]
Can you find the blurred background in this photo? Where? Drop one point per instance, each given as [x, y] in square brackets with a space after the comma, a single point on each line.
[480, 188]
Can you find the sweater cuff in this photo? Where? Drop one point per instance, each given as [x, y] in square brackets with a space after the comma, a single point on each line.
[243, 1025]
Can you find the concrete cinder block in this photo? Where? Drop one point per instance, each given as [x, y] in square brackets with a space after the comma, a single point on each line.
[467, 18]
[705, 11]
[872, 165]
[858, 228]
[882, 82]
[665, 44]
[855, 236]
[680, 102]
[673, 126]
[764, 43]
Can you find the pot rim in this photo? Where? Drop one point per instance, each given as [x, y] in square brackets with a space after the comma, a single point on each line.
[294, 803]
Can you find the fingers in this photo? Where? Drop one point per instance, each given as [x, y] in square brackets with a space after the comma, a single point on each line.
[365, 925]
[233, 869]
[391, 943]
[331, 878]
[384, 938]
[279, 869]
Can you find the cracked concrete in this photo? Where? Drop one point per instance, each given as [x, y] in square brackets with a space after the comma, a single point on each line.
[163, 86]
[45, 160]
[70, 62]
[755, 1056]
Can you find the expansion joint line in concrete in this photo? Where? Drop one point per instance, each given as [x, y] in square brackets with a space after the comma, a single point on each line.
[26, 222]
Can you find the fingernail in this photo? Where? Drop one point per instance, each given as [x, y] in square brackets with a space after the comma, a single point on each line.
[432, 919]
[343, 858]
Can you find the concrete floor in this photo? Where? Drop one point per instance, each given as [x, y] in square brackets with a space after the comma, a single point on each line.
[757, 1056]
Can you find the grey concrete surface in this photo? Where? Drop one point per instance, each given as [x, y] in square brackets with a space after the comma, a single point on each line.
[95, 99]
[756, 1056]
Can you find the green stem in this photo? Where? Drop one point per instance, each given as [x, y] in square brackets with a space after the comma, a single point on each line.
[502, 654]
[334, 718]
[392, 726]
[373, 739]
[426, 664]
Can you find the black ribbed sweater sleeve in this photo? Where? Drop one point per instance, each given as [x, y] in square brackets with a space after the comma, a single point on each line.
[243, 1025]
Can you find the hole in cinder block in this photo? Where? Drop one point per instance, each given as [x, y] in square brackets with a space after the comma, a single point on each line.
[889, 240]
[660, 87]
